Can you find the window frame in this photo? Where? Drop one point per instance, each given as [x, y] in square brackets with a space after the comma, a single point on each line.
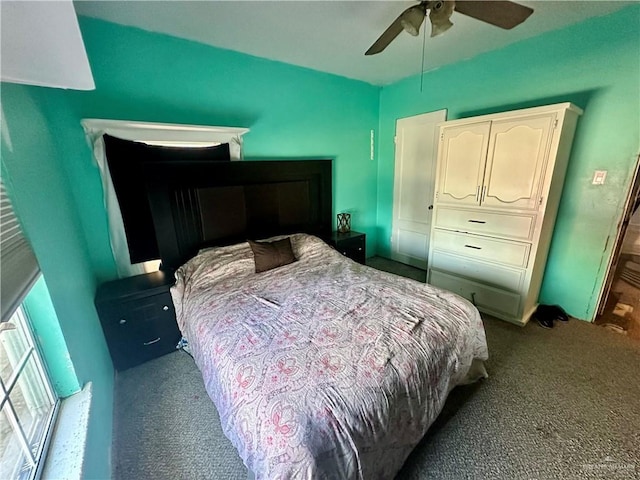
[35, 460]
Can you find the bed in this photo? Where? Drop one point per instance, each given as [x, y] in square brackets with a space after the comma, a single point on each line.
[320, 368]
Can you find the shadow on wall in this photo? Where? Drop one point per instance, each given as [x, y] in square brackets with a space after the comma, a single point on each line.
[580, 99]
[119, 106]
[380, 240]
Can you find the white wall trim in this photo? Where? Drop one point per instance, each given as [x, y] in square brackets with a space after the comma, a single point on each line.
[168, 134]
[65, 456]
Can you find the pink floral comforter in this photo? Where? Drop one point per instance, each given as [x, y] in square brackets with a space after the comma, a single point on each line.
[323, 368]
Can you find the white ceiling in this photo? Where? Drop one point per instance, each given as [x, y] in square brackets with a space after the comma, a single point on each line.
[42, 45]
[332, 36]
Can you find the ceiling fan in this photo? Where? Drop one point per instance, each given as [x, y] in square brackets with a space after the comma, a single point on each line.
[503, 14]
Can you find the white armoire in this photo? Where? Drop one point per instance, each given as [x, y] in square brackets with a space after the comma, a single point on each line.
[498, 185]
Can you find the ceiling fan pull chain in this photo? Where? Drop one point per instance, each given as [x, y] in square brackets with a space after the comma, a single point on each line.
[424, 43]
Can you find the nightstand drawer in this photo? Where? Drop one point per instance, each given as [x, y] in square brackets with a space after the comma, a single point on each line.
[140, 330]
[139, 313]
[351, 245]
[138, 319]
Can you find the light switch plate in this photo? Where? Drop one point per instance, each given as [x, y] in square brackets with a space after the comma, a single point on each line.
[598, 177]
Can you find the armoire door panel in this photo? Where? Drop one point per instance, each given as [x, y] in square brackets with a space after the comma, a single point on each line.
[516, 161]
[462, 159]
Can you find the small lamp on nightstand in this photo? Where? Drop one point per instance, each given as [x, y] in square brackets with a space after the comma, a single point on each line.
[344, 222]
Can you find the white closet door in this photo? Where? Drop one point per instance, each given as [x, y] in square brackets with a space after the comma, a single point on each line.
[463, 150]
[414, 182]
[518, 150]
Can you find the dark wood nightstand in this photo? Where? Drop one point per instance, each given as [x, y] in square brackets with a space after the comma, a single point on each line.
[138, 318]
[351, 244]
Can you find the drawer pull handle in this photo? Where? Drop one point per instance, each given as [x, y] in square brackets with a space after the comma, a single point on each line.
[122, 321]
[476, 221]
[474, 247]
[151, 342]
[165, 308]
[473, 297]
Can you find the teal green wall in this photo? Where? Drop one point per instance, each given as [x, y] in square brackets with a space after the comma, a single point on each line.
[33, 169]
[46, 329]
[291, 112]
[596, 65]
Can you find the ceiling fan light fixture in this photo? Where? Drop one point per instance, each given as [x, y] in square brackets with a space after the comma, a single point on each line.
[439, 15]
[412, 18]
[440, 27]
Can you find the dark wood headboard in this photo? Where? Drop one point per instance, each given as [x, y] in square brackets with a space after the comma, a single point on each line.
[195, 205]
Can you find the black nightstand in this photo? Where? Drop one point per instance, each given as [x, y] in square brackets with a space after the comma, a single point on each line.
[350, 244]
[138, 318]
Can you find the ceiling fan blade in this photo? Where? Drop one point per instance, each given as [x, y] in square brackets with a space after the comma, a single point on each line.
[502, 14]
[386, 38]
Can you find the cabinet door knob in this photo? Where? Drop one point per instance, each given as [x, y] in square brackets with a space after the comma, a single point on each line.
[165, 308]
[122, 321]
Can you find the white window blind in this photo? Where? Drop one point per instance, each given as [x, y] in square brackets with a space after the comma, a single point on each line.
[18, 265]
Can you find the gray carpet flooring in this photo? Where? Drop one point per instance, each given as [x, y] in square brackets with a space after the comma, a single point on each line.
[559, 403]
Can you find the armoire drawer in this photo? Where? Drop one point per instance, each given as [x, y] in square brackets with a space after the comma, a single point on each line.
[505, 252]
[487, 273]
[485, 223]
[486, 298]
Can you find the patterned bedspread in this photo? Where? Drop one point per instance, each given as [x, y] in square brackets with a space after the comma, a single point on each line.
[323, 368]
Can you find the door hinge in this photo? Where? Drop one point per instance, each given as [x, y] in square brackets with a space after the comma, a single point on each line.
[395, 139]
[540, 201]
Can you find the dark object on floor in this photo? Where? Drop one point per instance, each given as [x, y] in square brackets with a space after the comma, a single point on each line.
[631, 273]
[546, 314]
[554, 311]
[544, 322]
